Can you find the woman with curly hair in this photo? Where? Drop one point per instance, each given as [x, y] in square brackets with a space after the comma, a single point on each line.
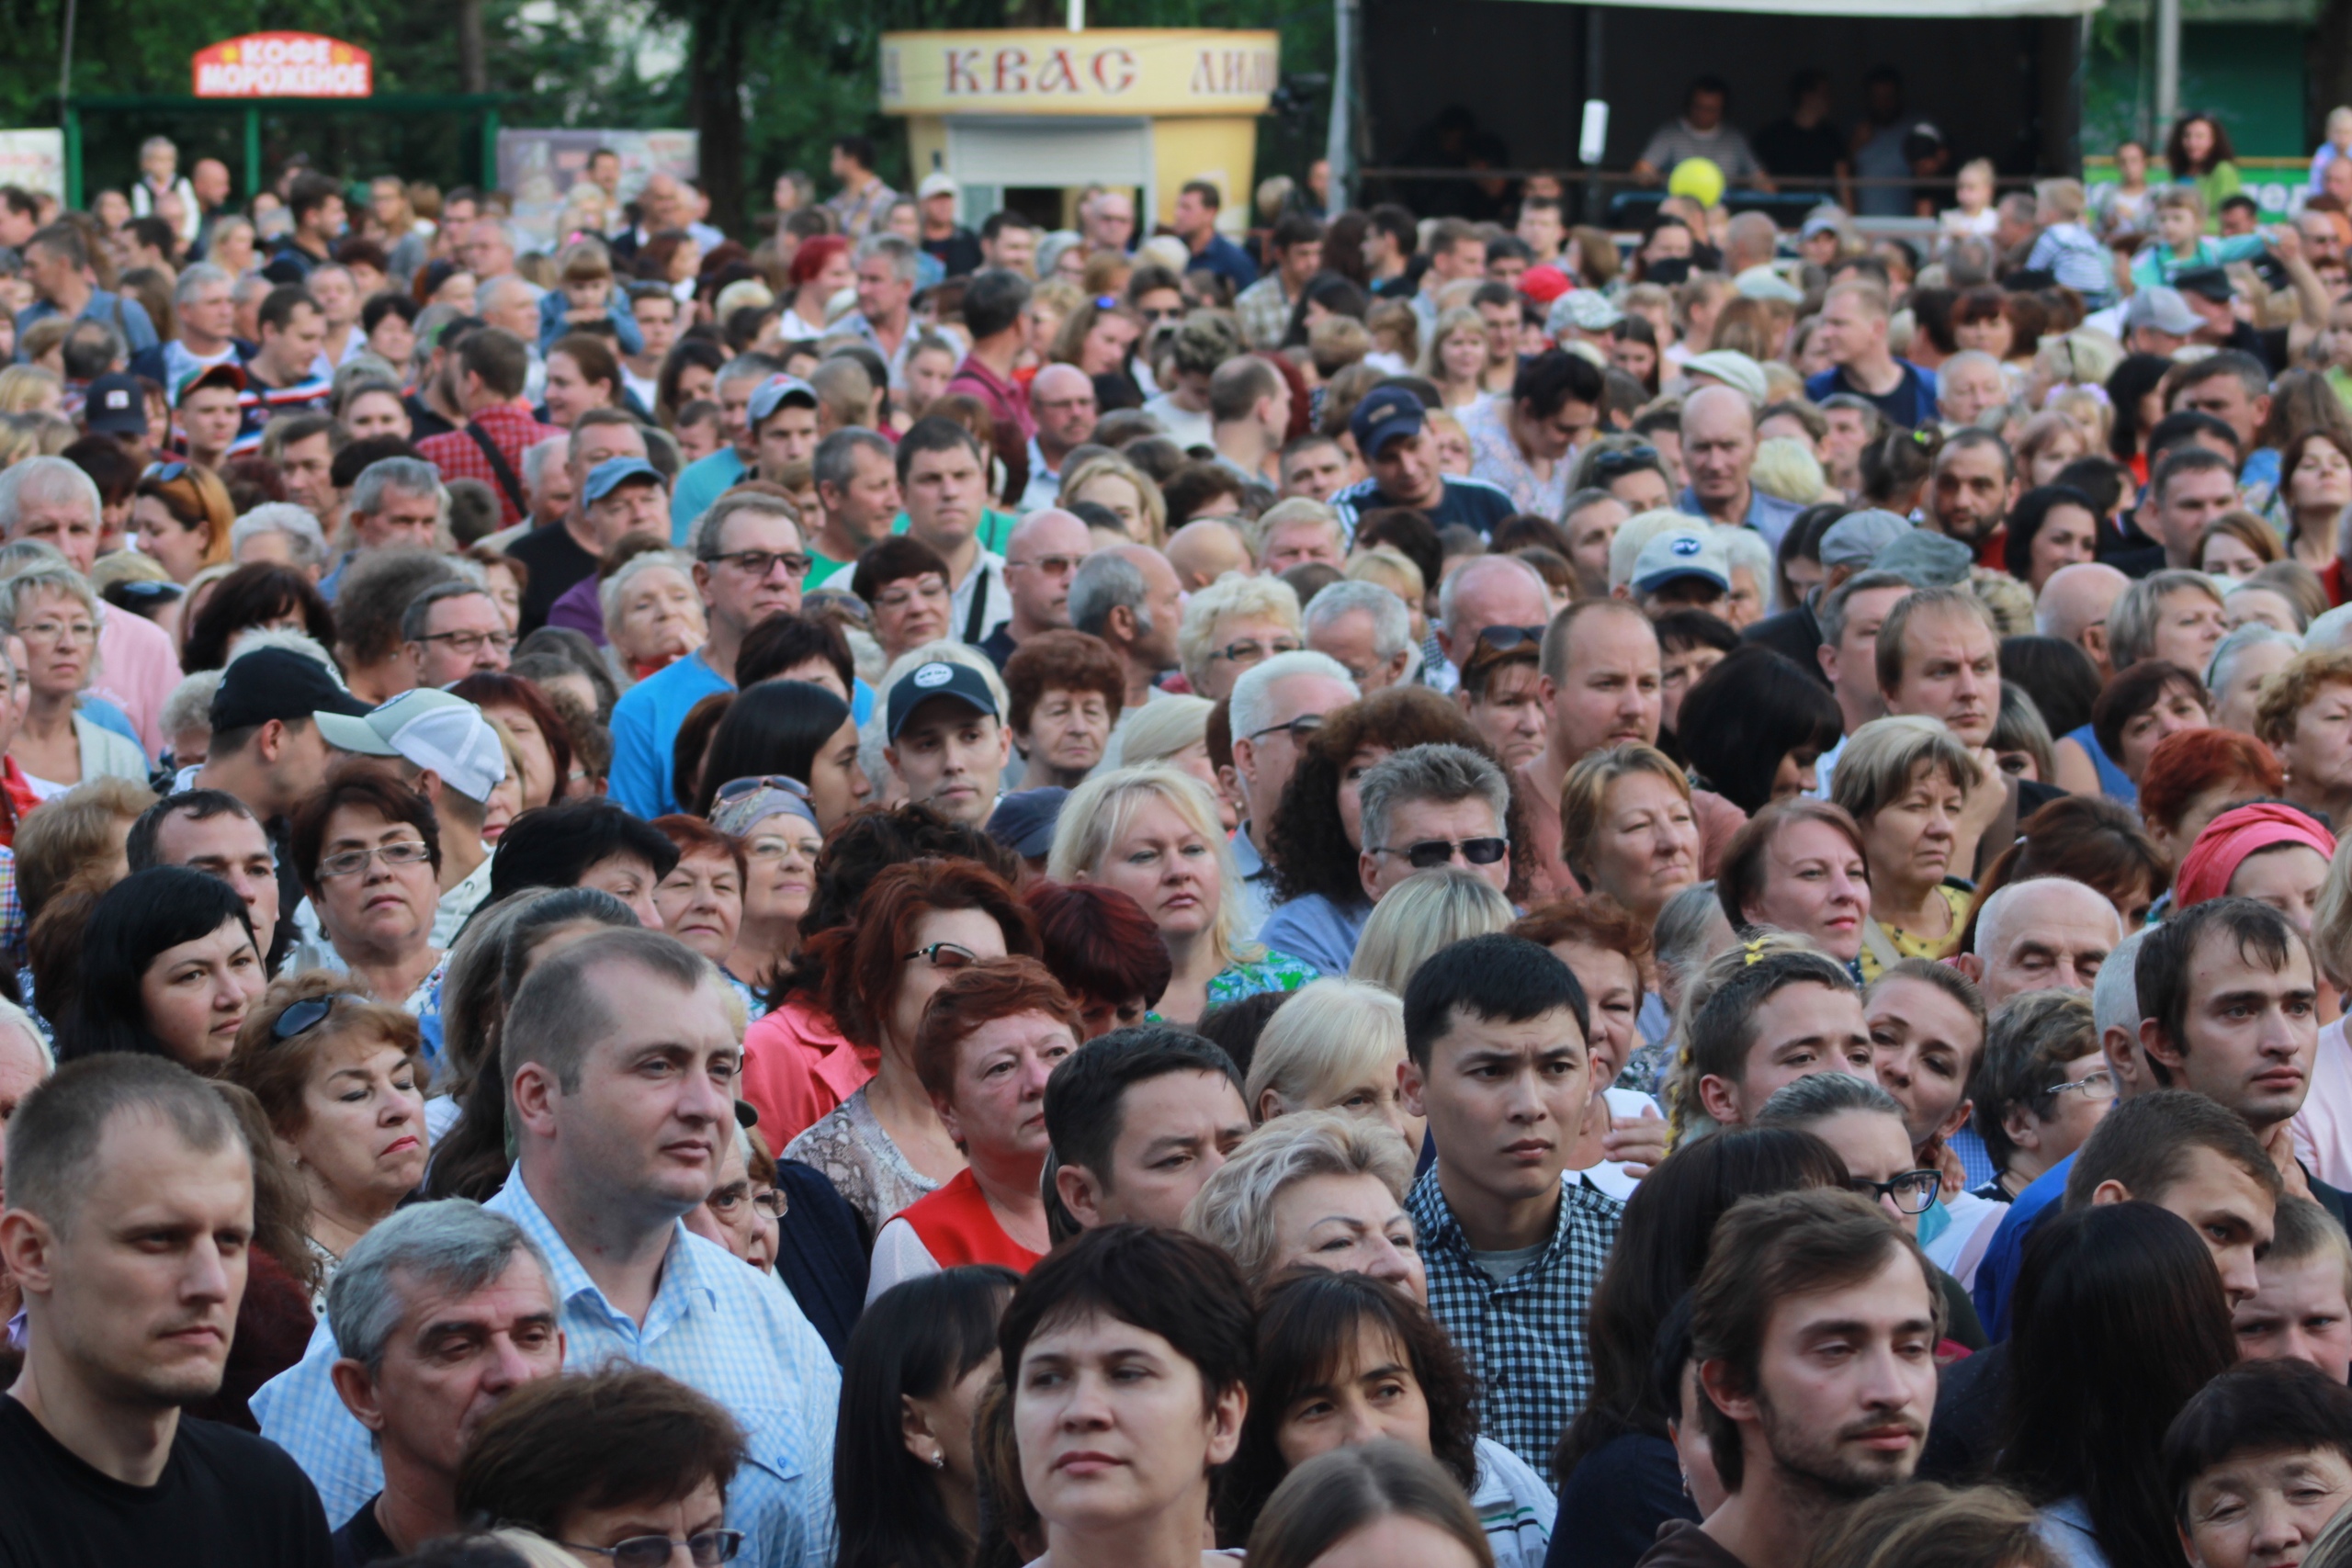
[1316, 839]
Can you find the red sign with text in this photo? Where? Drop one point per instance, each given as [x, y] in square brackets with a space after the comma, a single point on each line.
[284, 65]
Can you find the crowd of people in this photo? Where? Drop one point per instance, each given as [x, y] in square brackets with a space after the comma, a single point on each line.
[1368, 891]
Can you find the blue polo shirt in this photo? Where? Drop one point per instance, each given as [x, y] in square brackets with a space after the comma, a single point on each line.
[703, 482]
[1997, 1276]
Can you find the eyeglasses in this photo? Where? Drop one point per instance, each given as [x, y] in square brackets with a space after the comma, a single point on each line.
[2093, 1086]
[404, 851]
[1616, 465]
[58, 631]
[733, 1196]
[1502, 639]
[1250, 650]
[924, 587]
[945, 955]
[472, 642]
[306, 1015]
[1431, 853]
[706, 1549]
[1298, 729]
[738, 789]
[1052, 566]
[1914, 1191]
[759, 563]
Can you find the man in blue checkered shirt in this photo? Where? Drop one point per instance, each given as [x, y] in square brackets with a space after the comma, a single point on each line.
[1495, 1039]
[620, 1066]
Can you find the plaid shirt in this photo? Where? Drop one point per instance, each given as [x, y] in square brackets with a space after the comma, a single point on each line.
[511, 429]
[716, 1325]
[861, 210]
[1527, 1338]
[1265, 311]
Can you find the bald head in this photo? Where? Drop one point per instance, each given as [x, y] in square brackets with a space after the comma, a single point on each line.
[2075, 603]
[1059, 380]
[1204, 551]
[2044, 933]
[1717, 412]
[1491, 591]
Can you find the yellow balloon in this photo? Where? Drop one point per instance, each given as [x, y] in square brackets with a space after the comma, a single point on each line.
[1698, 178]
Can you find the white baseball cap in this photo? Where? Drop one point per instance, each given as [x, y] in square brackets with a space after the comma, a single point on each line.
[1678, 553]
[430, 728]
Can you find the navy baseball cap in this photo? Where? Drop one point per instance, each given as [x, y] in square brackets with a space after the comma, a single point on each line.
[940, 678]
[1024, 820]
[1384, 414]
[614, 472]
[116, 406]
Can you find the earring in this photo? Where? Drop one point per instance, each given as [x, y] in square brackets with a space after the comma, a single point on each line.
[939, 1461]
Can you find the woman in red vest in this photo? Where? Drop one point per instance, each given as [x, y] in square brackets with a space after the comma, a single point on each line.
[988, 1039]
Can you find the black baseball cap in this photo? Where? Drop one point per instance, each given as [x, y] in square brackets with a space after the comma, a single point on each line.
[1024, 820]
[116, 406]
[2207, 282]
[940, 678]
[279, 683]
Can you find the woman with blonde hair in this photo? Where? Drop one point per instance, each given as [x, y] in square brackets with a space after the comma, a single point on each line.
[1428, 911]
[1233, 624]
[1152, 833]
[181, 514]
[1111, 481]
[1627, 828]
[1338, 1049]
[1174, 731]
[1363, 1174]
[32, 389]
[1455, 358]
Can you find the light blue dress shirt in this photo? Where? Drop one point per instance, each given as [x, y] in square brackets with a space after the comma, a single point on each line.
[717, 1325]
[1312, 928]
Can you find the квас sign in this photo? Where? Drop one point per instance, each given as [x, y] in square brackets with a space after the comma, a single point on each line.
[284, 65]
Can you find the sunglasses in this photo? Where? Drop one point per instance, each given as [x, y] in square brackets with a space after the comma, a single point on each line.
[1615, 465]
[945, 955]
[165, 473]
[739, 789]
[1299, 730]
[306, 1015]
[1432, 853]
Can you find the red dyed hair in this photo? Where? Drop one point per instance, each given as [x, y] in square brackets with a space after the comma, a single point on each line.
[814, 256]
[696, 837]
[1594, 921]
[1100, 943]
[981, 995]
[861, 962]
[2185, 765]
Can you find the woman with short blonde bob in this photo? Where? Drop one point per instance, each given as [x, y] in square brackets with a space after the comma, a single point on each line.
[1337, 1050]
[1627, 828]
[1906, 781]
[1153, 834]
[1112, 481]
[1319, 1190]
[1428, 911]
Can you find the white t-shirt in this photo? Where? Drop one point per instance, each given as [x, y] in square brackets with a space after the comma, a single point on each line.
[2322, 1128]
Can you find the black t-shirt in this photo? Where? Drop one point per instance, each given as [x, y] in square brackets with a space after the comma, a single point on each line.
[227, 1499]
[556, 563]
[1794, 151]
[959, 252]
[362, 1541]
[422, 420]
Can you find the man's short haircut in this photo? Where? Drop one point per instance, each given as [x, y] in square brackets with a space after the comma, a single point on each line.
[278, 307]
[602, 1439]
[1432, 772]
[410, 476]
[1554, 379]
[1391, 624]
[1869, 295]
[993, 226]
[453, 1248]
[2145, 1143]
[1724, 1030]
[1969, 435]
[1495, 978]
[1294, 229]
[2186, 461]
[1816, 1097]
[139, 851]
[2257, 1407]
[1252, 701]
[1552, 658]
[501, 359]
[62, 241]
[2305, 1230]
[1104, 581]
[936, 433]
[1236, 386]
[417, 619]
[1210, 197]
[1926, 601]
[561, 1011]
[1085, 1095]
[2249, 372]
[2010, 902]
[2258, 931]
[53, 1139]
[1766, 1251]
[993, 303]
[905, 260]
[376, 592]
[2030, 1042]
[835, 463]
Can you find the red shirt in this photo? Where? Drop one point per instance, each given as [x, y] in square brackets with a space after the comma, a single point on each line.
[957, 1226]
[16, 797]
[2331, 577]
[459, 455]
[1006, 402]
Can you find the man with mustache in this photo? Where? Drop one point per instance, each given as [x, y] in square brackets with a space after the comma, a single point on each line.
[129, 1227]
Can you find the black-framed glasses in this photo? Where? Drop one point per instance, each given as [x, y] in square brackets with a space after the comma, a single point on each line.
[738, 789]
[945, 955]
[1429, 853]
[1615, 465]
[1299, 730]
[306, 1015]
[1912, 1191]
[706, 1549]
[2092, 1087]
[472, 642]
[404, 851]
[1502, 639]
[1250, 650]
[757, 564]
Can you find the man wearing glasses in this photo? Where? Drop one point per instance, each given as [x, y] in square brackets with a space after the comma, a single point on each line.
[454, 630]
[1041, 555]
[1062, 402]
[1432, 806]
[748, 563]
[1276, 708]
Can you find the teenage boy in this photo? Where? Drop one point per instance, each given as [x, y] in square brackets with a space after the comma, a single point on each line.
[1783, 1017]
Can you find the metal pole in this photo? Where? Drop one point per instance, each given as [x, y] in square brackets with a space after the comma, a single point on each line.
[72, 155]
[1594, 194]
[253, 149]
[2167, 65]
[1340, 144]
[65, 55]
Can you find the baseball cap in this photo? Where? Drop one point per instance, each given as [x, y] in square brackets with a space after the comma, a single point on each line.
[771, 394]
[1823, 221]
[2164, 309]
[223, 375]
[614, 472]
[1926, 559]
[1682, 552]
[1760, 282]
[115, 406]
[430, 728]
[2210, 282]
[1856, 538]
[1588, 310]
[1733, 369]
[937, 183]
[940, 678]
[277, 684]
[1384, 414]
[1024, 820]
[1544, 284]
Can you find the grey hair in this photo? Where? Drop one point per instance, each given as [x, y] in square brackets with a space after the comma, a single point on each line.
[539, 453]
[2115, 994]
[1426, 912]
[2253, 634]
[1104, 581]
[410, 476]
[45, 478]
[748, 367]
[282, 517]
[1253, 695]
[1392, 624]
[1832, 612]
[1440, 772]
[835, 463]
[199, 275]
[190, 705]
[1448, 590]
[725, 508]
[2132, 624]
[25, 555]
[609, 592]
[904, 259]
[24, 585]
[419, 613]
[1819, 1096]
[1235, 1207]
[452, 1247]
[508, 283]
[1685, 923]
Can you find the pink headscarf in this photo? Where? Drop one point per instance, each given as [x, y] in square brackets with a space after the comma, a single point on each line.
[2229, 839]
